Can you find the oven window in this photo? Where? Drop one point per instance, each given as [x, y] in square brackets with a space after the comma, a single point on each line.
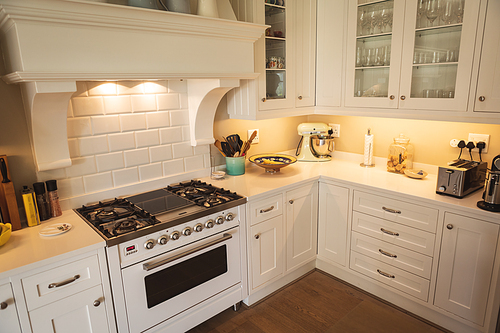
[170, 282]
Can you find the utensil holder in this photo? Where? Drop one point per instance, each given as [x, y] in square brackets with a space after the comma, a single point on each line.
[235, 166]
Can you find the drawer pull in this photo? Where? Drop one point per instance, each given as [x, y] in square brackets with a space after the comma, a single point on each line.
[387, 253]
[267, 210]
[386, 274]
[392, 233]
[449, 226]
[291, 202]
[3, 306]
[257, 236]
[390, 210]
[60, 284]
[97, 303]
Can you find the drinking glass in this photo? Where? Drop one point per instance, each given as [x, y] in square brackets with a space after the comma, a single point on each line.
[436, 57]
[386, 55]
[377, 56]
[379, 10]
[420, 11]
[361, 21]
[389, 18]
[447, 12]
[372, 14]
[459, 10]
[428, 93]
[432, 10]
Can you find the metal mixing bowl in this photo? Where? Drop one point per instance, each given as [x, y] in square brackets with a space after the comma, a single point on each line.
[322, 146]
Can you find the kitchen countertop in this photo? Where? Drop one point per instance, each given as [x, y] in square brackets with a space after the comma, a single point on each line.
[27, 249]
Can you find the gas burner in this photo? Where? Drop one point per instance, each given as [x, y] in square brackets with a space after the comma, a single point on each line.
[190, 190]
[109, 213]
[212, 200]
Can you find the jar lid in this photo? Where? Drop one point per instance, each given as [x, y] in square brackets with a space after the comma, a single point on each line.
[39, 188]
[51, 185]
[402, 139]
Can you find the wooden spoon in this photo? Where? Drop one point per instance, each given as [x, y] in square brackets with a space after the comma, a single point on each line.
[219, 146]
[248, 143]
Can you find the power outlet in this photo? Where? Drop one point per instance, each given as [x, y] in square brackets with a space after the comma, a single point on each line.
[478, 138]
[335, 129]
[249, 134]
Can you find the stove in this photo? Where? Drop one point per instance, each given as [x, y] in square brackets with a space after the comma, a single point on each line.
[123, 219]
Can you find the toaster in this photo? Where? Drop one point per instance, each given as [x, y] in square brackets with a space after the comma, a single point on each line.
[461, 177]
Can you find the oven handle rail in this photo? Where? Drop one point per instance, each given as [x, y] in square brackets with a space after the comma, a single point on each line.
[155, 264]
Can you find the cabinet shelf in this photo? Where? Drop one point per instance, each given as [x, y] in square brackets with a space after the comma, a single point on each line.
[275, 6]
[372, 67]
[437, 64]
[276, 38]
[457, 26]
[367, 3]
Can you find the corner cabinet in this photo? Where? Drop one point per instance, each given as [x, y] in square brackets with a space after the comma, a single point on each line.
[8, 311]
[284, 57]
[414, 55]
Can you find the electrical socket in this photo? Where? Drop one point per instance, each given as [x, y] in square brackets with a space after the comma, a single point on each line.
[478, 138]
[454, 143]
[335, 129]
[249, 134]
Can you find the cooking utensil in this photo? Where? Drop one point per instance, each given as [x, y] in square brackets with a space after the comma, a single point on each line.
[226, 148]
[217, 144]
[248, 143]
[235, 142]
[10, 197]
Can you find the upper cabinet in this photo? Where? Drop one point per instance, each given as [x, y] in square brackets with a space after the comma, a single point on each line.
[284, 58]
[414, 54]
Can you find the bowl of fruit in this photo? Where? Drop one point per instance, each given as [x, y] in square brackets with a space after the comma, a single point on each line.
[272, 163]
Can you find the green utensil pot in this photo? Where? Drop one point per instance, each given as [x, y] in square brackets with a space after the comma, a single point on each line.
[235, 166]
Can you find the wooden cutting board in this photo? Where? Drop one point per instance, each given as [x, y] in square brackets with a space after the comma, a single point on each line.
[8, 201]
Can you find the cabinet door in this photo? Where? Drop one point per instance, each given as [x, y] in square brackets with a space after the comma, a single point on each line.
[266, 248]
[332, 225]
[305, 52]
[488, 86]
[374, 48]
[465, 266]
[437, 54]
[79, 313]
[8, 313]
[301, 225]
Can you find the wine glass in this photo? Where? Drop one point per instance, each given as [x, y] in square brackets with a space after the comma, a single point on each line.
[372, 18]
[383, 18]
[447, 13]
[361, 21]
[420, 11]
[459, 10]
[389, 18]
[432, 10]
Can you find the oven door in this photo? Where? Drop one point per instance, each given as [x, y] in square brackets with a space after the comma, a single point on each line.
[163, 286]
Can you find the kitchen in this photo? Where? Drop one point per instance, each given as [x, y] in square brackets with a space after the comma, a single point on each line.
[79, 185]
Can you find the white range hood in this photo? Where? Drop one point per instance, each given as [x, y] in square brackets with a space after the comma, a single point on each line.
[48, 45]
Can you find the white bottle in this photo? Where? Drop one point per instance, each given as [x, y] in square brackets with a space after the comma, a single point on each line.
[207, 8]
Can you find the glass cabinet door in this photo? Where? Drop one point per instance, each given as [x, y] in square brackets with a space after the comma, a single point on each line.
[374, 53]
[438, 63]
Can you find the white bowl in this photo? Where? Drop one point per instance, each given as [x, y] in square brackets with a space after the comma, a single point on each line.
[218, 174]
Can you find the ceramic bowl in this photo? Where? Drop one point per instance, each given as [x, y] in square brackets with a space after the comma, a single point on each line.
[416, 173]
[218, 174]
[6, 231]
[272, 162]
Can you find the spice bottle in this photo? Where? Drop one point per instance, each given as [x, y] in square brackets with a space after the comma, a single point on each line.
[42, 201]
[55, 207]
[400, 155]
[30, 207]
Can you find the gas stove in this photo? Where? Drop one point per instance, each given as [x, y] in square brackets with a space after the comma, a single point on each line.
[123, 219]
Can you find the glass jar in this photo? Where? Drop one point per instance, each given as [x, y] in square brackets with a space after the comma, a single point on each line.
[400, 155]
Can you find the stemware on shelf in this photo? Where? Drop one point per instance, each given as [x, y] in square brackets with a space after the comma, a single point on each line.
[459, 10]
[420, 12]
[447, 12]
[432, 11]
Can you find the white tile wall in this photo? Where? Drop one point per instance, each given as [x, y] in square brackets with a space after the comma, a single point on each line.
[125, 133]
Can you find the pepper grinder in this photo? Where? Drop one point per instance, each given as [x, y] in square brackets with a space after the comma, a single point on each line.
[55, 207]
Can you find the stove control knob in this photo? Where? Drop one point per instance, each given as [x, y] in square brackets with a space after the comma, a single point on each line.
[198, 227]
[229, 217]
[175, 235]
[187, 231]
[219, 220]
[209, 224]
[163, 240]
[150, 243]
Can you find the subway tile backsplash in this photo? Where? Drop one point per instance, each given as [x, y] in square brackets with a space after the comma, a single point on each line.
[125, 133]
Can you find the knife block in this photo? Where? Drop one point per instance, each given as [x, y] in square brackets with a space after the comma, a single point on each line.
[8, 201]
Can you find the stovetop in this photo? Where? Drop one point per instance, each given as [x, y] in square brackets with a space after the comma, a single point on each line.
[126, 218]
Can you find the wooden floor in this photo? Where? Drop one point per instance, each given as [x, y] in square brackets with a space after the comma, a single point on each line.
[317, 303]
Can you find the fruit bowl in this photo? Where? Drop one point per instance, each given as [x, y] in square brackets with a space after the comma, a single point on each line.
[6, 231]
[272, 163]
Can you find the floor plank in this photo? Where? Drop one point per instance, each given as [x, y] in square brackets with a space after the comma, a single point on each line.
[316, 303]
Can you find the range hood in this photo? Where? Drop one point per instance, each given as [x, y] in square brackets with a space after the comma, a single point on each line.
[48, 45]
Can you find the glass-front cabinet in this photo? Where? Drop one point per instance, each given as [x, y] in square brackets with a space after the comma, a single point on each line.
[413, 54]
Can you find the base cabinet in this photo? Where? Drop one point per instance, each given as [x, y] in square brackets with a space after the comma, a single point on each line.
[333, 223]
[466, 266]
[8, 312]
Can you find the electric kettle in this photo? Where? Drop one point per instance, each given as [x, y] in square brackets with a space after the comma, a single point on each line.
[491, 194]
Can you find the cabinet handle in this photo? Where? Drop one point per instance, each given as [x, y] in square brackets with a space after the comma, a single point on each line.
[387, 253]
[389, 232]
[392, 97]
[403, 97]
[267, 210]
[449, 226]
[97, 303]
[3, 305]
[257, 236]
[482, 98]
[263, 99]
[60, 284]
[300, 98]
[386, 274]
[291, 202]
[390, 210]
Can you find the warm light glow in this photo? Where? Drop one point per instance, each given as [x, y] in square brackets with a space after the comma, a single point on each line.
[151, 87]
[108, 88]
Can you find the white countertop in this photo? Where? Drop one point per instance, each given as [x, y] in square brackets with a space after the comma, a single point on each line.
[27, 249]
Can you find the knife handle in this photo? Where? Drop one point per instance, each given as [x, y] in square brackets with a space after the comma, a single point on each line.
[3, 169]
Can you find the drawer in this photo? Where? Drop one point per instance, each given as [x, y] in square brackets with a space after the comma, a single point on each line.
[391, 276]
[391, 254]
[54, 284]
[265, 209]
[394, 233]
[409, 214]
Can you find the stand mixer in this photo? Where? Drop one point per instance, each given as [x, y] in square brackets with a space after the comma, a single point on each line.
[315, 143]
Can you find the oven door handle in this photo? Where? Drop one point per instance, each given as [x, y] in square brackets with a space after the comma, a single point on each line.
[155, 264]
